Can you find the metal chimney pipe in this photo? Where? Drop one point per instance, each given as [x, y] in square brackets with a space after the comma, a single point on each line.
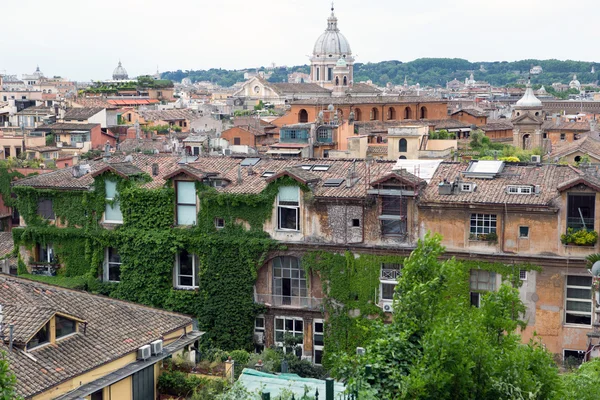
[11, 329]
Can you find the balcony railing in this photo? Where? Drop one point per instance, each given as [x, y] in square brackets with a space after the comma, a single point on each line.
[310, 303]
[578, 224]
[390, 274]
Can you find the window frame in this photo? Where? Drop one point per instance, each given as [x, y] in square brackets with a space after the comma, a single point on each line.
[317, 347]
[285, 330]
[107, 264]
[177, 273]
[476, 292]
[114, 206]
[296, 208]
[46, 212]
[297, 280]
[521, 236]
[388, 280]
[579, 300]
[178, 203]
[523, 274]
[56, 317]
[491, 219]
[40, 344]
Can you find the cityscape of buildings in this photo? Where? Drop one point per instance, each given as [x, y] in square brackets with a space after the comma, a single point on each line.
[128, 185]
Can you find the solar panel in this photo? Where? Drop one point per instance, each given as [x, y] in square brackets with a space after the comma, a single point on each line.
[333, 182]
[249, 162]
[323, 167]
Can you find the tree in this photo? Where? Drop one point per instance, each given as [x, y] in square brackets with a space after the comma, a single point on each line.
[440, 347]
[8, 380]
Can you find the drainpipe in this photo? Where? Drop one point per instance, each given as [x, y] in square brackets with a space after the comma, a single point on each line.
[11, 329]
[504, 227]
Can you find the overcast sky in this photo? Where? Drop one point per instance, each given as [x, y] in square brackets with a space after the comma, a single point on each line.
[84, 39]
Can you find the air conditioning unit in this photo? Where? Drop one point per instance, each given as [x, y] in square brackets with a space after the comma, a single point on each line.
[259, 337]
[144, 352]
[388, 307]
[536, 159]
[360, 351]
[226, 152]
[157, 347]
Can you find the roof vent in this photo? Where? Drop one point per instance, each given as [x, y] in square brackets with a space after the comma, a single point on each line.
[155, 169]
[129, 158]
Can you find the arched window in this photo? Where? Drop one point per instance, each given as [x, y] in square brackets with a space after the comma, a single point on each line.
[403, 157]
[345, 81]
[391, 113]
[402, 146]
[303, 116]
[357, 114]
[317, 74]
[289, 282]
[407, 113]
[337, 81]
[423, 113]
[374, 114]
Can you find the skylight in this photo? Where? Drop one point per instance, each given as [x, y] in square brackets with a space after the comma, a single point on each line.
[486, 169]
[321, 167]
[306, 167]
[333, 182]
[267, 174]
[249, 162]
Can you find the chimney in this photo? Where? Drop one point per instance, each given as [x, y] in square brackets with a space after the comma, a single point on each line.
[250, 171]
[155, 169]
[76, 171]
[239, 175]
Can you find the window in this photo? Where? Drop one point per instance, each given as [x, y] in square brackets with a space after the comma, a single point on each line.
[219, 223]
[393, 215]
[524, 232]
[236, 141]
[324, 135]
[303, 116]
[186, 203]
[578, 300]
[97, 395]
[112, 265]
[513, 189]
[112, 212]
[388, 279]
[186, 271]
[6, 152]
[482, 224]
[481, 281]
[46, 253]
[581, 211]
[259, 333]
[289, 282]
[402, 146]
[41, 337]
[523, 274]
[64, 326]
[563, 136]
[318, 342]
[288, 208]
[466, 187]
[285, 326]
[356, 222]
[329, 74]
[573, 357]
[318, 75]
[45, 209]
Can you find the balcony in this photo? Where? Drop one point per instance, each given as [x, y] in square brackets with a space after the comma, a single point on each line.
[390, 274]
[273, 300]
[579, 223]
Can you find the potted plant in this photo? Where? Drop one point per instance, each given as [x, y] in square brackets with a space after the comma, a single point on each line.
[579, 238]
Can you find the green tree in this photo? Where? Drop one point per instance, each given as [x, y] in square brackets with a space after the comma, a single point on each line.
[440, 347]
[8, 381]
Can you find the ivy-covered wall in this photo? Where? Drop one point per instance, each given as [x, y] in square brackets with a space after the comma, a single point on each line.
[148, 243]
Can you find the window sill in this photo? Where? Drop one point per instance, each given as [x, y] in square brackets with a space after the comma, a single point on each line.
[288, 230]
[66, 336]
[188, 288]
[113, 222]
[577, 326]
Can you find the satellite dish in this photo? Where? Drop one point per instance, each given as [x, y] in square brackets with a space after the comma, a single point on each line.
[596, 269]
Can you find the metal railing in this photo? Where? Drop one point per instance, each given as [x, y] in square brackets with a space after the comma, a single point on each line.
[578, 223]
[390, 274]
[310, 303]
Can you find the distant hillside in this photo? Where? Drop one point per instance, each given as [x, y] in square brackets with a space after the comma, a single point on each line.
[426, 71]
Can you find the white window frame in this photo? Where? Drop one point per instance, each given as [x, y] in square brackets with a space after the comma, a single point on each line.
[107, 265]
[523, 274]
[194, 272]
[491, 282]
[219, 223]
[260, 329]
[480, 219]
[318, 347]
[291, 207]
[115, 206]
[49, 252]
[189, 205]
[285, 331]
[516, 189]
[580, 300]
[387, 280]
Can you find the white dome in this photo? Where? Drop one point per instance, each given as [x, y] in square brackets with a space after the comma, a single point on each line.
[120, 73]
[529, 99]
[332, 42]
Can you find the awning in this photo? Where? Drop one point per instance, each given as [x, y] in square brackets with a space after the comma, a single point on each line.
[284, 151]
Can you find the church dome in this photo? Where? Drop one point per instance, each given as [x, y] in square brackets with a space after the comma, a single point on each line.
[120, 73]
[332, 42]
[529, 99]
[38, 73]
[574, 84]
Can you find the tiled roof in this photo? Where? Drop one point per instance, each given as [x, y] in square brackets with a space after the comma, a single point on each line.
[124, 169]
[92, 102]
[44, 149]
[497, 125]
[471, 111]
[132, 102]
[225, 168]
[81, 114]
[363, 88]
[40, 110]
[66, 127]
[372, 100]
[493, 191]
[114, 329]
[582, 126]
[6, 244]
[588, 145]
[167, 115]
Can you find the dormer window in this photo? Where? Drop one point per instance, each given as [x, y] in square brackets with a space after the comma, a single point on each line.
[467, 187]
[41, 337]
[64, 326]
[515, 189]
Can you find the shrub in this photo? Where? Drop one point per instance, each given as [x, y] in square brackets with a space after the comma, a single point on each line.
[240, 357]
[579, 238]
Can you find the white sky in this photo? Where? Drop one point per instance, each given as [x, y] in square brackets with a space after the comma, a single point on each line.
[84, 39]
